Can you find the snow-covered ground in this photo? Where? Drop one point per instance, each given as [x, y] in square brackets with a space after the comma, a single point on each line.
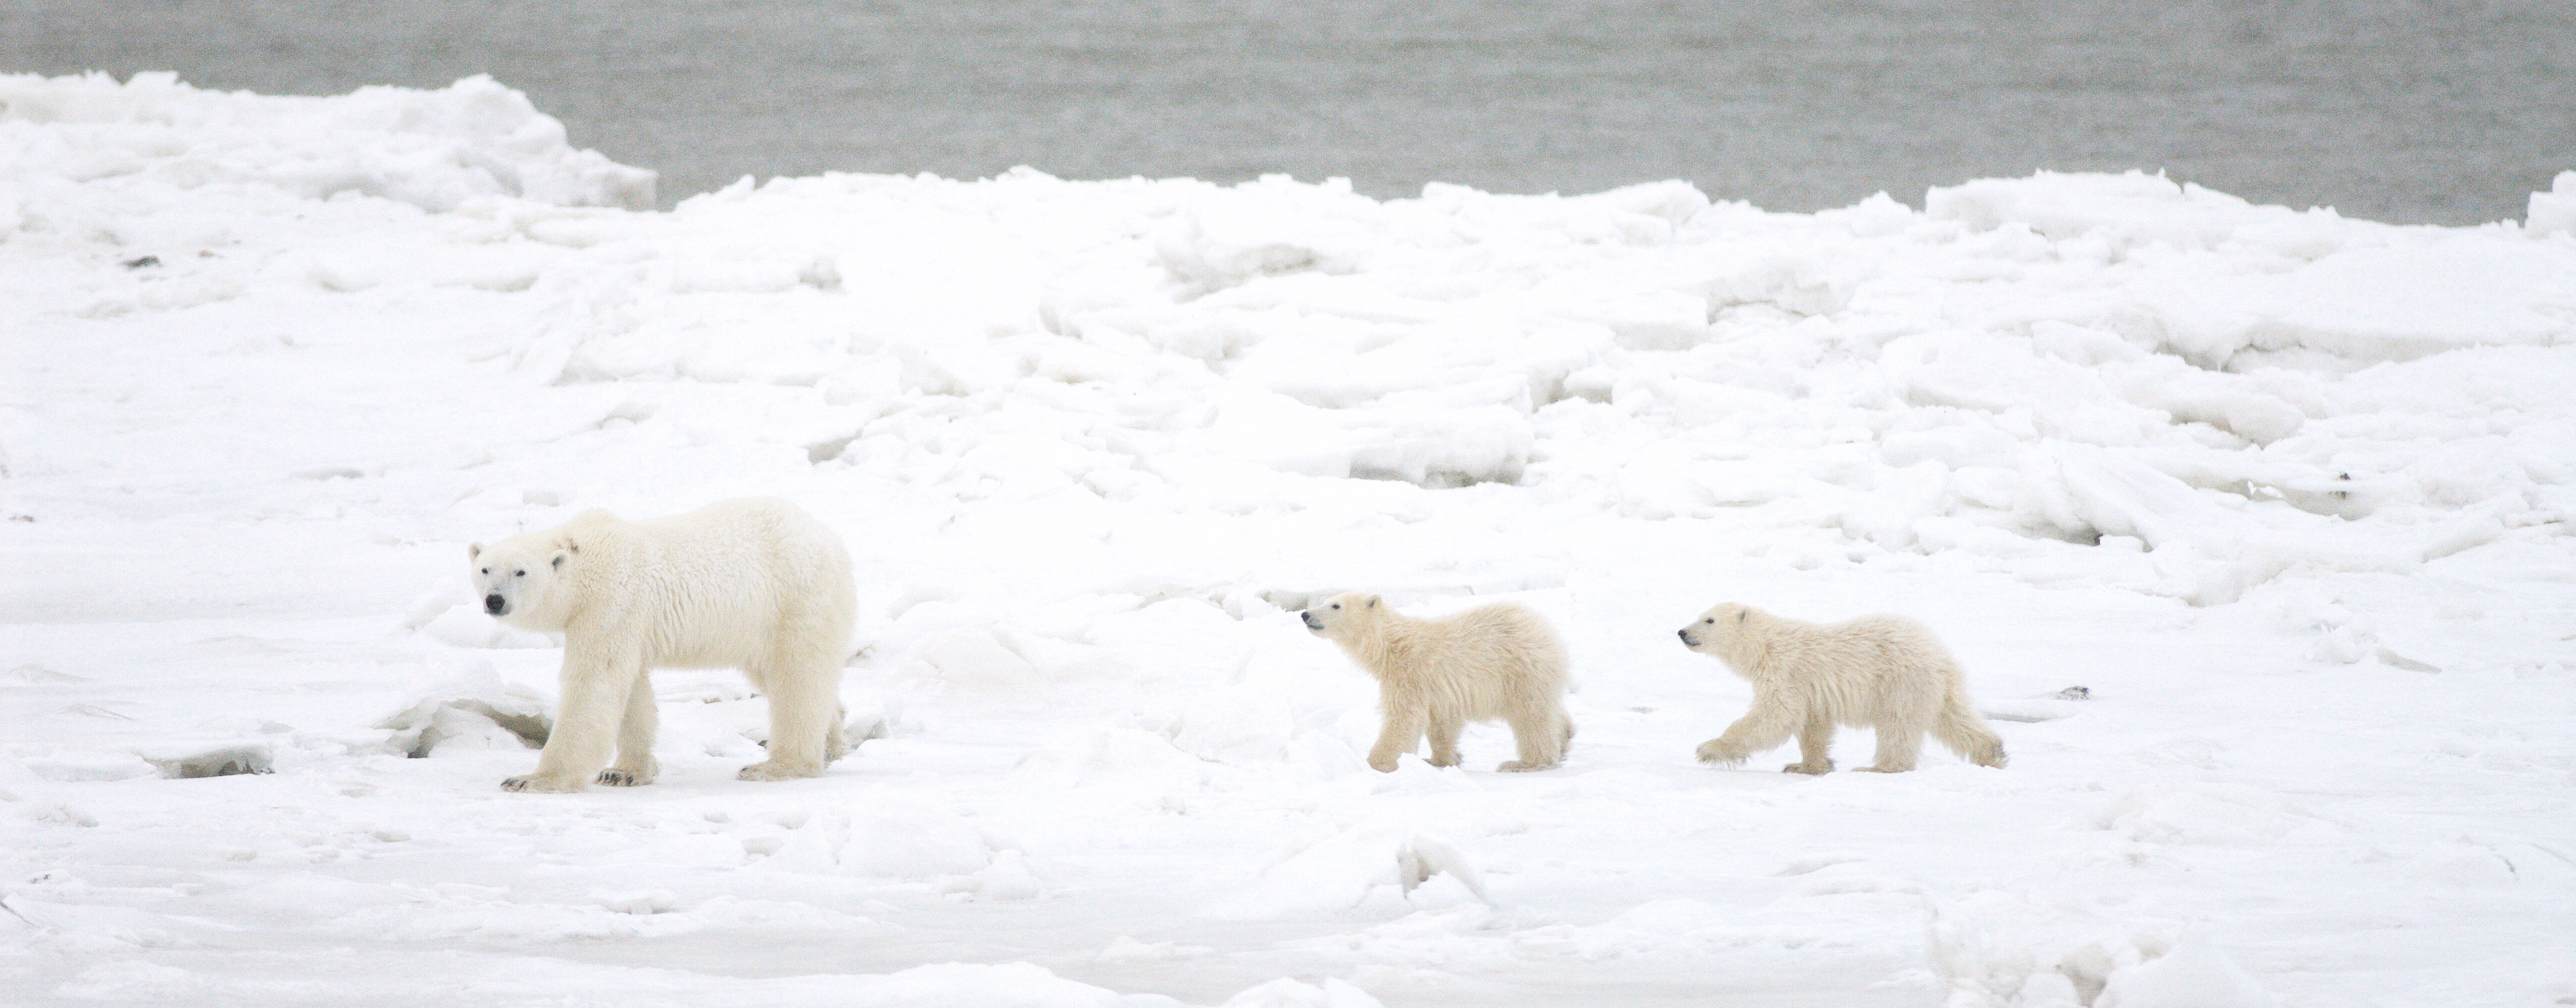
[2289, 493]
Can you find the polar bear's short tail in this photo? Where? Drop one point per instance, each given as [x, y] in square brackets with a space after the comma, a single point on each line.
[1961, 728]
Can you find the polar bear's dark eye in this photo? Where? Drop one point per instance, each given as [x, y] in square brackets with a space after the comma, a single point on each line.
[1711, 619]
[520, 574]
[1337, 605]
[487, 570]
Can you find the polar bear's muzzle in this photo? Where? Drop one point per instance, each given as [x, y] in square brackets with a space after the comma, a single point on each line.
[1311, 622]
[1686, 639]
[495, 604]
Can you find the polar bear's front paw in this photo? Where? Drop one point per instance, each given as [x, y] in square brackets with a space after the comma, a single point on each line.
[539, 784]
[1518, 766]
[1718, 752]
[1812, 769]
[1381, 764]
[772, 770]
[615, 777]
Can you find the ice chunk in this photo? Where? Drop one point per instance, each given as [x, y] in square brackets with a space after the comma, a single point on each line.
[2553, 212]
[458, 711]
[1288, 992]
[1270, 228]
[1341, 871]
[88, 765]
[2096, 492]
[210, 761]
[431, 149]
[1443, 450]
[2129, 209]
[1128, 949]
[2194, 975]
[450, 614]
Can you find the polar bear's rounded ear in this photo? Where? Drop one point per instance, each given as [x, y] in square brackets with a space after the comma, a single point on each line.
[1372, 601]
[1743, 614]
[474, 552]
[558, 562]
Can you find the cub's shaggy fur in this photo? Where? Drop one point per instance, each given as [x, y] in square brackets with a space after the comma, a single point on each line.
[1883, 672]
[1496, 663]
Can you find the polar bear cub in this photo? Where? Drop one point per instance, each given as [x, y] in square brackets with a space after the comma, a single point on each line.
[1499, 662]
[1884, 672]
[755, 584]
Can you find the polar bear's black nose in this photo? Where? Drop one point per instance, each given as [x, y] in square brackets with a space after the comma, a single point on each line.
[1684, 634]
[493, 604]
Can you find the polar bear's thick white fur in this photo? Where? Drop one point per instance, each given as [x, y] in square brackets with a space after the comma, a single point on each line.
[1883, 672]
[755, 584]
[1500, 662]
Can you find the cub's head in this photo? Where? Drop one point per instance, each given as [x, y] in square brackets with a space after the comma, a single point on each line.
[1712, 629]
[520, 579]
[1343, 614]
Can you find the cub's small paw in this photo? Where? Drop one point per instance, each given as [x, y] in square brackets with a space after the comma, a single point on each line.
[614, 777]
[537, 784]
[1713, 751]
[1810, 769]
[773, 770]
[1439, 760]
[1382, 764]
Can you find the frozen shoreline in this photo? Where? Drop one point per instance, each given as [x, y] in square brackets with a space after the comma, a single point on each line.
[2289, 492]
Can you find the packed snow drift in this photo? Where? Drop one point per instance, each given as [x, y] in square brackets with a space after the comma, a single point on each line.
[2286, 494]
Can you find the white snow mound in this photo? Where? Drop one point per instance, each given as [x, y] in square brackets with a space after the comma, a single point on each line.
[431, 149]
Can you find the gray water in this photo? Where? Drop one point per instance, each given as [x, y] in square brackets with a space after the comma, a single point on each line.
[2414, 112]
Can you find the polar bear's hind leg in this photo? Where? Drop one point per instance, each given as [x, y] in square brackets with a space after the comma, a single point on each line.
[1541, 735]
[804, 695]
[836, 740]
[1899, 743]
[1959, 727]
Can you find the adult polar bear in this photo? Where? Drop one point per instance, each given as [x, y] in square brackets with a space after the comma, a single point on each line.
[755, 584]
